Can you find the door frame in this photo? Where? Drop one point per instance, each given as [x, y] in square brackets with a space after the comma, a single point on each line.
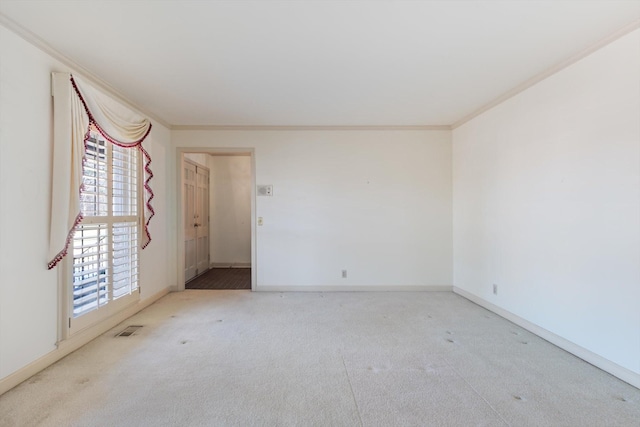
[180, 206]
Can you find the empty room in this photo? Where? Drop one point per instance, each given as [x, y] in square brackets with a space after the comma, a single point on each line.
[319, 213]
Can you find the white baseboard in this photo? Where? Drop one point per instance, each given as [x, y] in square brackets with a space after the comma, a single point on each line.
[606, 365]
[75, 342]
[350, 288]
[230, 265]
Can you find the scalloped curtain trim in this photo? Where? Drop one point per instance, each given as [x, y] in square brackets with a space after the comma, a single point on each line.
[147, 168]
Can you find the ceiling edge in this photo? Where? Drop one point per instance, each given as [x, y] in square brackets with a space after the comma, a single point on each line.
[306, 128]
[549, 72]
[39, 43]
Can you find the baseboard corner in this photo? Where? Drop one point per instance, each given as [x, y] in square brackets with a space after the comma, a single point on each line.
[588, 356]
[66, 347]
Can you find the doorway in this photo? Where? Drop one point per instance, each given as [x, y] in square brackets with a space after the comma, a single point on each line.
[229, 233]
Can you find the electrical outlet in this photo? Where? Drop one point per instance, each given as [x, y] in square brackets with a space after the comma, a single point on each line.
[344, 274]
[265, 190]
[495, 289]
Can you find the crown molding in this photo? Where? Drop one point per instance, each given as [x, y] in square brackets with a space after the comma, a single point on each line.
[74, 67]
[306, 128]
[549, 72]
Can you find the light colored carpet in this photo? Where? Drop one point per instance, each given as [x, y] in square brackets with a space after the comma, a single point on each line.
[236, 358]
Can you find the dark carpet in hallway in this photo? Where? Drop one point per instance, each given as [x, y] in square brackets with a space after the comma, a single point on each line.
[222, 278]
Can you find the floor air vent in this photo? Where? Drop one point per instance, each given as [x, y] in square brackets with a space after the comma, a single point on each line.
[128, 331]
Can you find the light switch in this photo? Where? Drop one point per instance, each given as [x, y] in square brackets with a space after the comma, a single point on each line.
[260, 222]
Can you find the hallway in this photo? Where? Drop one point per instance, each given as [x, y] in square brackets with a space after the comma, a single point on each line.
[222, 278]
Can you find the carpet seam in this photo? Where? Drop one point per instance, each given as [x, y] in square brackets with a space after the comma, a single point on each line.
[476, 392]
[346, 371]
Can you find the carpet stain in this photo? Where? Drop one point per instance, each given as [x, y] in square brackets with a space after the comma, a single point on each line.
[450, 340]
[515, 333]
[449, 333]
[520, 398]
[524, 342]
[83, 381]
[183, 342]
[35, 379]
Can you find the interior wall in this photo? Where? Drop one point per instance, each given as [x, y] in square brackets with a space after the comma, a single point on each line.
[374, 203]
[28, 291]
[158, 267]
[546, 204]
[199, 158]
[230, 210]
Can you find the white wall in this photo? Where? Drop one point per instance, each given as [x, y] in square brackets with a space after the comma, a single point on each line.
[230, 209]
[28, 291]
[376, 203]
[199, 158]
[158, 267]
[546, 204]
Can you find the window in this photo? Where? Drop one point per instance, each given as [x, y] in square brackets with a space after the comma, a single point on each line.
[104, 271]
[101, 204]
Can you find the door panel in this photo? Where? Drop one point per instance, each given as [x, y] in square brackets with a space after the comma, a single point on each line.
[190, 237]
[196, 220]
[202, 219]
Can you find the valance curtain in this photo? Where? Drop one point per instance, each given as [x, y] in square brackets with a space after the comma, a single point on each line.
[79, 108]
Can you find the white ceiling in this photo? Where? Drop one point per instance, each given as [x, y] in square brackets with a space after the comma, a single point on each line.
[318, 63]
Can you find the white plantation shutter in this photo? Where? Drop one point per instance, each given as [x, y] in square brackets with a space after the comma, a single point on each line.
[125, 259]
[90, 268]
[125, 210]
[94, 195]
[105, 244]
[125, 181]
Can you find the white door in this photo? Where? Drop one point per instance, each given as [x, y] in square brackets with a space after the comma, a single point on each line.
[196, 220]
[190, 259]
[202, 220]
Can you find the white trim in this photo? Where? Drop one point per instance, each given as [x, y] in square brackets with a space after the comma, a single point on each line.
[614, 369]
[75, 342]
[250, 151]
[306, 128]
[549, 72]
[230, 265]
[79, 70]
[356, 288]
